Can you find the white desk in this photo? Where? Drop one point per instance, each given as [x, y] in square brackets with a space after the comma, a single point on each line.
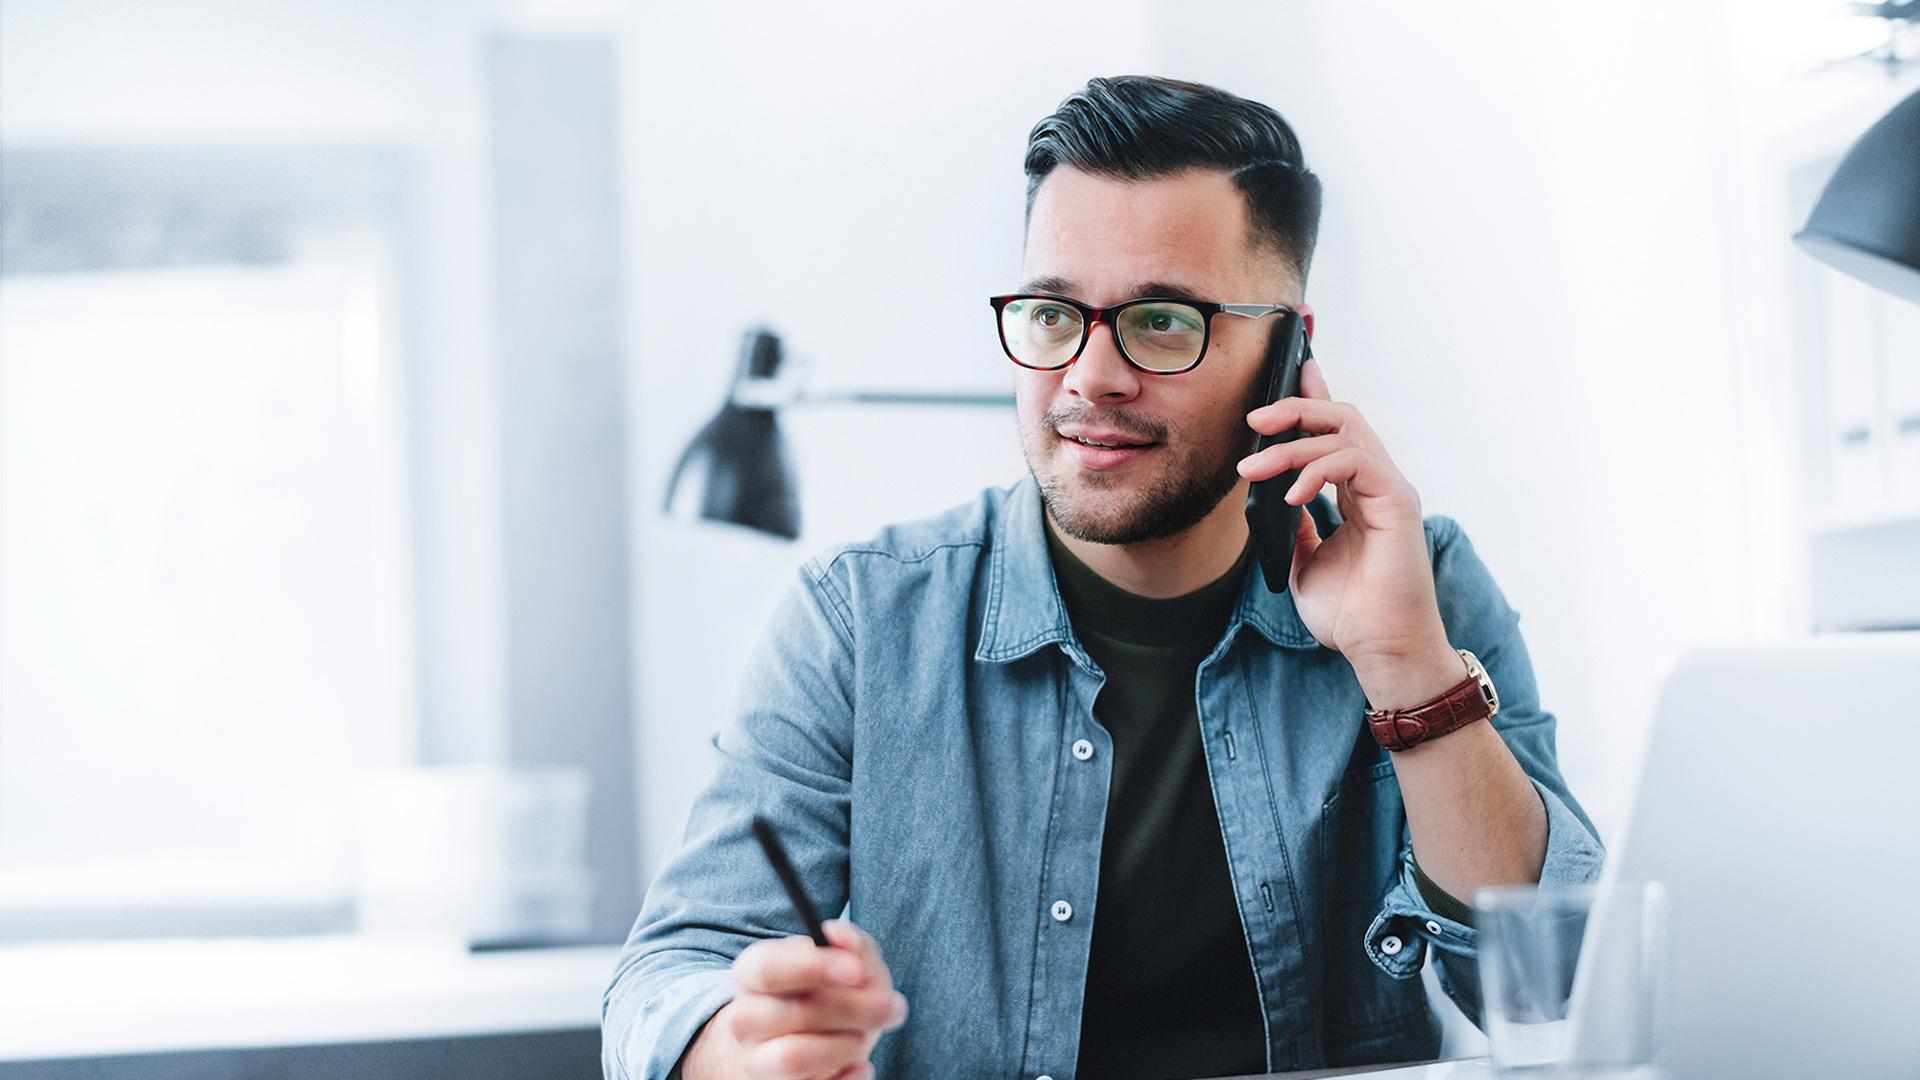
[1479, 1068]
[1476, 1068]
[95, 998]
[80, 999]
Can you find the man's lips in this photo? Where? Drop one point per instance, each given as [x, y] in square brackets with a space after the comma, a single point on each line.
[1099, 435]
[1100, 458]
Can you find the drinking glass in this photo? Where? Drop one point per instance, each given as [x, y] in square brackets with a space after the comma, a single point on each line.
[1574, 980]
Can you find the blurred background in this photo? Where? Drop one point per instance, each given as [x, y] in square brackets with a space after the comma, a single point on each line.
[354, 678]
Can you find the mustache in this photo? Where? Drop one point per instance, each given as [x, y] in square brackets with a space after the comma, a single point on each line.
[1123, 421]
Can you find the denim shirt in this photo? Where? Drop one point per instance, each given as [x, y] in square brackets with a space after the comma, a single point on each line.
[916, 721]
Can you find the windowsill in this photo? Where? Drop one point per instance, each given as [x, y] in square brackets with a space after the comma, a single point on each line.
[89, 998]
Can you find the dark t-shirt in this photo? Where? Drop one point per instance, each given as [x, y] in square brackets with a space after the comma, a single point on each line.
[1170, 990]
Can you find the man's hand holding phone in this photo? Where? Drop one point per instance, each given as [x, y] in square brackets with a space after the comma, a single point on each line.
[801, 1012]
[1367, 590]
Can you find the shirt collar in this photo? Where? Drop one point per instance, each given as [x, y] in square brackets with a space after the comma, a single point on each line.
[1024, 610]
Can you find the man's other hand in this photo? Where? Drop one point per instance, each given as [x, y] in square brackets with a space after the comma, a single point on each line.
[801, 1012]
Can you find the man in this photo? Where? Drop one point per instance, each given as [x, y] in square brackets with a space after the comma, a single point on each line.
[1100, 802]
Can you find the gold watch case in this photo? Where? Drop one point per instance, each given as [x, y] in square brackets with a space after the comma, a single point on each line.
[1479, 673]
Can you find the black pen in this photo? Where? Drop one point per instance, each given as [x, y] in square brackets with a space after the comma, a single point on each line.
[783, 867]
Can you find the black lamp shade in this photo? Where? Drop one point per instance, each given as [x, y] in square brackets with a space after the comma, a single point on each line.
[1867, 222]
[736, 470]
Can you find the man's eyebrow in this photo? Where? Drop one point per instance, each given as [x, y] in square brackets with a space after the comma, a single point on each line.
[1166, 288]
[1047, 284]
[1060, 286]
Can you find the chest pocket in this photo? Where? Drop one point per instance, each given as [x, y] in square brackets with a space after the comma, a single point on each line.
[1366, 1011]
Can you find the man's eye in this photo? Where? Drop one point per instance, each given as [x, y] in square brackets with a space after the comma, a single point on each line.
[1048, 316]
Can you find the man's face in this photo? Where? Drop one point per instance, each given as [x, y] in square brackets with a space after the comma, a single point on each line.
[1102, 241]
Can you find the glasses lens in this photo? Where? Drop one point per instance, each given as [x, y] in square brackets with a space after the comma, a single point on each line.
[1040, 333]
[1163, 336]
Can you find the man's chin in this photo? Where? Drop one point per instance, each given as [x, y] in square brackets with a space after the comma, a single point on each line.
[1107, 491]
[1100, 508]
[1125, 506]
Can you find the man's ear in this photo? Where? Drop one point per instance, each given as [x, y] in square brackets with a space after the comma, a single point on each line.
[1306, 315]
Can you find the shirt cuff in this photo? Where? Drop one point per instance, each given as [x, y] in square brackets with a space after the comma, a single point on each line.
[1409, 920]
[646, 1039]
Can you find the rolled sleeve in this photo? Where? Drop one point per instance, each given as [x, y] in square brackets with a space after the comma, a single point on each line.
[644, 1035]
[785, 752]
[1478, 618]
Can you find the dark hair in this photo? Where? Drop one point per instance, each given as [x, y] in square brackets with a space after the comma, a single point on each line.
[1140, 127]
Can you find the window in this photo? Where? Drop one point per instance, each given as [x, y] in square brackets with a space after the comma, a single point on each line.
[205, 621]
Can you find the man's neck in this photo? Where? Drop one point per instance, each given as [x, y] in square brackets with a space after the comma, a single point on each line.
[1174, 565]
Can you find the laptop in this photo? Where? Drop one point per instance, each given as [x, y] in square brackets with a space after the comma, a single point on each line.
[1779, 804]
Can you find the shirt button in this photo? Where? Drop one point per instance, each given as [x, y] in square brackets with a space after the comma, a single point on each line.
[1062, 911]
[1082, 749]
[1043, 1076]
[1390, 945]
[1432, 927]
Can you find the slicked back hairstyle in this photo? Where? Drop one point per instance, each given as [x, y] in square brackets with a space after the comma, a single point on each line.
[1141, 127]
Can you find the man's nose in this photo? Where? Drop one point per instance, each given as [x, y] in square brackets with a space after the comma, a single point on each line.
[1101, 373]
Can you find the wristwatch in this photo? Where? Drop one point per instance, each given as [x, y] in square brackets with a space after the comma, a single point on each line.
[1472, 698]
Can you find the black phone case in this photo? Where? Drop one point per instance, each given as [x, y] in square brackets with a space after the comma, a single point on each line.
[1272, 520]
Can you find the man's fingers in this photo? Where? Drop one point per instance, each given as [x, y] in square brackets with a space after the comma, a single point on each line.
[1313, 382]
[790, 986]
[1309, 531]
[848, 935]
[759, 1017]
[1311, 414]
[1352, 466]
[795, 965]
[1277, 459]
[1306, 541]
[799, 1057]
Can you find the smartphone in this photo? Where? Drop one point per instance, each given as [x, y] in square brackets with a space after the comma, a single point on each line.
[1272, 520]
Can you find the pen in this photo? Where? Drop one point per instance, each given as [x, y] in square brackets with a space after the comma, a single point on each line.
[783, 867]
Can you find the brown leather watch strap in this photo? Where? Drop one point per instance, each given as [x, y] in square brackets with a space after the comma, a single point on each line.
[1463, 703]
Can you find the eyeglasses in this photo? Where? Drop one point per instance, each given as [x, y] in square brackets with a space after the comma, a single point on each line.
[1158, 335]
